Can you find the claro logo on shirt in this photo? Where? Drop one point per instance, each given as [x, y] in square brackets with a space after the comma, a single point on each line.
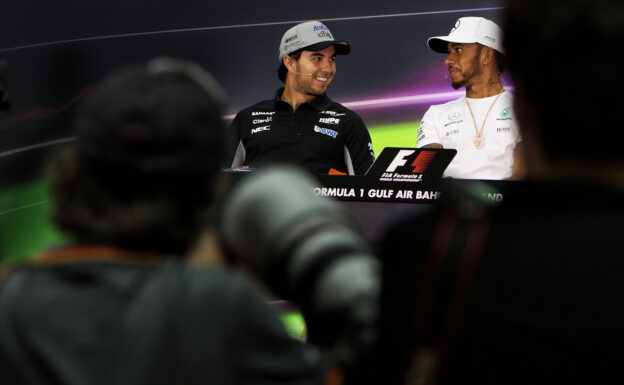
[326, 131]
[261, 121]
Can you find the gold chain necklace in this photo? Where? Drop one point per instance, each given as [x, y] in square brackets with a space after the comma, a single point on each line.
[479, 140]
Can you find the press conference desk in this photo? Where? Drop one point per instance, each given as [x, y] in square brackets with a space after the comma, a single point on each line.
[402, 181]
[376, 204]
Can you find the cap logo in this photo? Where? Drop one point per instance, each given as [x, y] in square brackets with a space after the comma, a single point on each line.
[325, 34]
[289, 46]
[293, 37]
[456, 26]
[320, 27]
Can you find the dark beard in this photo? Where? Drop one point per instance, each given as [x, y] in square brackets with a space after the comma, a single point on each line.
[467, 77]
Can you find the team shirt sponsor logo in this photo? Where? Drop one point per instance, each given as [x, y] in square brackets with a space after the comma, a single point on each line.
[262, 121]
[505, 114]
[326, 131]
[502, 130]
[453, 116]
[260, 129]
[256, 113]
[453, 122]
[329, 120]
[332, 113]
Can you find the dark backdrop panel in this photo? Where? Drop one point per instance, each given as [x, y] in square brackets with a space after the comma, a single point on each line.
[58, 51]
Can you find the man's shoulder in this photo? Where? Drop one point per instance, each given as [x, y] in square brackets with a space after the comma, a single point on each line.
[451, 105]
[206, 279]
[507, 97]
[265, 106]
[337, 110]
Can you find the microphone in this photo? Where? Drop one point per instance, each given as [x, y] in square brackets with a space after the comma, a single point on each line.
[300, 73]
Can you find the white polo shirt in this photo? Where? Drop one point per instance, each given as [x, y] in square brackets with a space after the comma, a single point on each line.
[452, 126]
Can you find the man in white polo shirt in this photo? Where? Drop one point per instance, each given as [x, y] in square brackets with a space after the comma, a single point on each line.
[480, 125]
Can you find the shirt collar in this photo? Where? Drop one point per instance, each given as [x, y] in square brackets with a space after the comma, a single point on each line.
[319, 103]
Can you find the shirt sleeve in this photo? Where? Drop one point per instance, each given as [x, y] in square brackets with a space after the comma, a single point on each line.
[236, 150]
[359, 147]
[427, 131]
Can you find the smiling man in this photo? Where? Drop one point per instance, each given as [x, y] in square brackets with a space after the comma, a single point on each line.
[480, 125]
[301, 125]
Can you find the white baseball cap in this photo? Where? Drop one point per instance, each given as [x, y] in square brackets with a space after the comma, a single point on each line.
[470, 30]
[313, 36]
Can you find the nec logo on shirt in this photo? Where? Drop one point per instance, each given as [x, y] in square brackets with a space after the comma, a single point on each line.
[260, 129]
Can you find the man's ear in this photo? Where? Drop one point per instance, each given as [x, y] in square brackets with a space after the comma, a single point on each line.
[487, 55]
[288, 63]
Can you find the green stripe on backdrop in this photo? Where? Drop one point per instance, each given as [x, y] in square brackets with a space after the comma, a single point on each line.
[394, 135]
[24, 222]
[25, 228]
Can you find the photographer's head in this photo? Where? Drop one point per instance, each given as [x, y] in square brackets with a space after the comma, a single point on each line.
[143, 170]
[560, 54]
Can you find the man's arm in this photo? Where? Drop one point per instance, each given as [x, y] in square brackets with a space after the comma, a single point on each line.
[359, 147]
[427, 132]
[432, 145]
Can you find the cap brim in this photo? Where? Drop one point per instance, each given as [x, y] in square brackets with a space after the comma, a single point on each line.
[439, 44]
[342, 47]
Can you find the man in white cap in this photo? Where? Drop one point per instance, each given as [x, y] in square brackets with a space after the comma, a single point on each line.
[301, 124]
[480, 125]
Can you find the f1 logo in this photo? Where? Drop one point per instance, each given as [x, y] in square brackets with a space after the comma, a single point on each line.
[399, 160]
[422, 161]
[420, 164]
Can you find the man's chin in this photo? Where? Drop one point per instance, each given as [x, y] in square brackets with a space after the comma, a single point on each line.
[457, 85]
[317, 92]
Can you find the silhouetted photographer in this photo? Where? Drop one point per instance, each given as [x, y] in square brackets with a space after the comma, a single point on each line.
[125, 302]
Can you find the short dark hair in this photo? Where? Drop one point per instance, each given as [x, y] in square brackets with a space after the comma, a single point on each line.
[566, 85]
[501, 60]
[282, 71]
[143, 170]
